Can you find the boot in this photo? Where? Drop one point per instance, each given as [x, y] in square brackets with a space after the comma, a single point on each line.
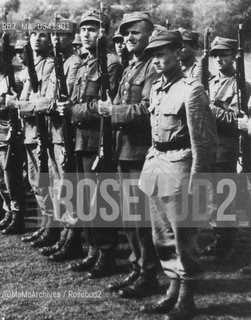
[145, 285]
[48, 238]
[17, 224]
[167, 304]
[105, 266]
[87, 263]
[33, 236]
[71, 249]
[48, 251]
[6, 220]
[185, 307]
[133, 276]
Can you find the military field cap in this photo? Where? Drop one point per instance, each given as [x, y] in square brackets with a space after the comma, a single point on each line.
[19, 45]
[96, 16]
[220, 43]
[188, 35]
[77, 41]
[164, 38]
[134, 17]
[117, 37]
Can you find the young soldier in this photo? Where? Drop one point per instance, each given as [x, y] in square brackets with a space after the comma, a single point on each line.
[40, 44]
[190, 66]
[11, 188]
[100, 260]
[223, 96]
[130, 119]
[69, 245]
[184, 144]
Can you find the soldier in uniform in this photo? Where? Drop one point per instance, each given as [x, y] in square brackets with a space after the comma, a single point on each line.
[130, 119]
[224, 105]
[190, 66]
[77, 44]
[69, 244]
[11, 188]
[184, 145]
[100, 260]
[40, 43]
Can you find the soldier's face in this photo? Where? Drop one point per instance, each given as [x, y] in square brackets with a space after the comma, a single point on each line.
[89, 34]
[119, 46]
[187, 52]
[165, 60]
[223, 59]
[136, 36]
[40, 41]
[64, 38]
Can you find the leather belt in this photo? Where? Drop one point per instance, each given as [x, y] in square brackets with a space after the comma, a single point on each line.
[179, 143]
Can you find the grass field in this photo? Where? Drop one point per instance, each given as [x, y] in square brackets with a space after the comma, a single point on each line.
[224, 294]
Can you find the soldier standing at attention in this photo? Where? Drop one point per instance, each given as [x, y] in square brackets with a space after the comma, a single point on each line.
[131, 122]
[184, 145]
[11, 187]
[69, 245]
[224, 105]
[100, 261]
[40, 44]
[190, 66]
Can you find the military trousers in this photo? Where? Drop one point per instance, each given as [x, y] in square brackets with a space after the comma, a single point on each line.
[11, 183]
[139, 235]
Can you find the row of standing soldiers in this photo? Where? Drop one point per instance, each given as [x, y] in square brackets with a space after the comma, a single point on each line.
[162, 123]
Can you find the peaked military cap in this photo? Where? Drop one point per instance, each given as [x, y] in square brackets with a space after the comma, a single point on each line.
[96, 16]
[188, 35]
[164, 38]
[117, 36]
[220, 43]
[134, 17]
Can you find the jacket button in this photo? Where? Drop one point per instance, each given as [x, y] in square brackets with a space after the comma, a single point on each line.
[79, 123]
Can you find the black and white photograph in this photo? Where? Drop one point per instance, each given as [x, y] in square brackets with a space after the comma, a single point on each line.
[125, 160]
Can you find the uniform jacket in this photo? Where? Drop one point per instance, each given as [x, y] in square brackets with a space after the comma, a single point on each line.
[223, 96]
[179, 108]
[4, 111]
[86, 93]
[29, 99]
[130, 115]
[194, 71]
[54, 121]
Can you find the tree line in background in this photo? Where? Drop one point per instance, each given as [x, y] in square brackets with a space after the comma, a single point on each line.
[221, 16]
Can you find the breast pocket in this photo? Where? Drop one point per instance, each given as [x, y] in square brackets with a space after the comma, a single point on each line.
[137, 87]
[172, 117]
[92, 85]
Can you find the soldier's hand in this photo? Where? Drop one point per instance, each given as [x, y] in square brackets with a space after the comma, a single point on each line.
[243, 123]
[10, 100]
[63, 108]
[105, 107]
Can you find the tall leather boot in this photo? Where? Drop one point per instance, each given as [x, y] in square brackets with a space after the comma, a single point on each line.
[36, 234]
[185, 308]
[6, 220]
[17, 224]
[166, 304]
[71, 249]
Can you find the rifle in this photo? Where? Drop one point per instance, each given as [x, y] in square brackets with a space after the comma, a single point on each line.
[15, 131]
[125, 57]
[42, 138]
[205, 61]
[242, 98]
[104, 160]
[62, 93]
